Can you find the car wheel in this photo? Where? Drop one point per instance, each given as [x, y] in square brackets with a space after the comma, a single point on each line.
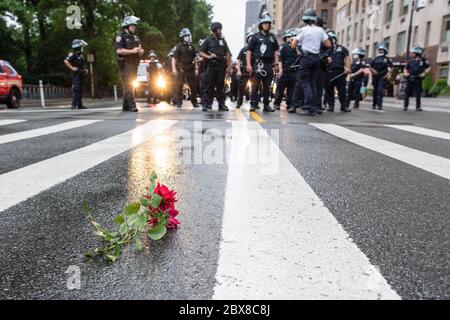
[13, 99]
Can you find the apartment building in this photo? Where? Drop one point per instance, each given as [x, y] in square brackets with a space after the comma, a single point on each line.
[366, 23]
[293, 11]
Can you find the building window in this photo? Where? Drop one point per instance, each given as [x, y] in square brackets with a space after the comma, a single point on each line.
[446, 31]
[404, 8]
[401, 39]
[443, 71]
[389, 11]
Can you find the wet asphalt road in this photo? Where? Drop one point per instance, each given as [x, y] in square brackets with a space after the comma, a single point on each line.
[398, 215]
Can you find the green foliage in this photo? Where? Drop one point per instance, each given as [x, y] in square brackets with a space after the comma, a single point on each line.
[427, 83]
[439, 87]
[39, 40]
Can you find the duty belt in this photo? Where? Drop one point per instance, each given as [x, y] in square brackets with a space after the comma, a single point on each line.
[307, 53]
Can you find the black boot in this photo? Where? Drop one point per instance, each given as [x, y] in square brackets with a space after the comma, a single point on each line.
[268, 109]
[292, 109]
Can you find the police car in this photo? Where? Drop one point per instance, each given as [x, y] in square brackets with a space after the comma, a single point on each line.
[10, 85]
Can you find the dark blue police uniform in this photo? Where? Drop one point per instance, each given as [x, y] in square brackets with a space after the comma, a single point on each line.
[77, 60]
[416, 67]
[185, 57]
[381, 64]
[216, 70]
[263, 47]
[356, 83]
[288, 57]
[128, 67]
[245, 77]
[335, 68]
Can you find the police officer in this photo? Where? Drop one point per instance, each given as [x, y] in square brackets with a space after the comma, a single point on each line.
[357, 76]
[380, 66]
[263, 47]
[337, 70]
[310, 39]
[203, 76]
[185, 68]
[129, 51]
[75, 62]
[416, 69]
[288, 59]
[243, 75]
[169, 73]
[215, 50]
[325, 60]
[153, 69]
[234, 82]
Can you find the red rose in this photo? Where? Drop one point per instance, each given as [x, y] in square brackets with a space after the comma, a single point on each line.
[168, 197]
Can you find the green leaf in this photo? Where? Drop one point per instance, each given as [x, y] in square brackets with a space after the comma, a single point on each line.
[145, 202]
[137, 221]
[123, 229]
[157, 233]
[155, 201]
[132, 209]
[119, 220]
[138, 243]
[87, 210]
[153, 177]
[111, 258]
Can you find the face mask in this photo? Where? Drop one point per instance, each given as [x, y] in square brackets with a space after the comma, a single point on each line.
[187, 39]
[355, 57]
[380, 54]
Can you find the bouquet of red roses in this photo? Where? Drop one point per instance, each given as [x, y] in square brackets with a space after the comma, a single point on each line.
[152, 216]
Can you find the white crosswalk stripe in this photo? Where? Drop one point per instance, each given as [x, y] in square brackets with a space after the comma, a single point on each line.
[7, 138]
[9, 122]
[19, 185]
[422, 160]
[422, 131]
[276, 245]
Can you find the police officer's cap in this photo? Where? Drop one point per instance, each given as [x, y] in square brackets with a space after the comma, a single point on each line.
[215, 25]
[309, 15]
[265, 19]
[359, 51]
[417, 50]
[332, 34]
[384, 47]
[130, 20]
[185, 32]
[78, 43]
[289, 33]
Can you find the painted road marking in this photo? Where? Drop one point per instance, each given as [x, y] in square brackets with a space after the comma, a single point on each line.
[12, 121]
[422, 131]
[22, 184]
[240, 116]
[257, 117]
[45, 131]
[84, 111]
[419, 159]
[279, 246]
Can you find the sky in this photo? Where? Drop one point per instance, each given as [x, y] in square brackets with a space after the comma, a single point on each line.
[231, 13]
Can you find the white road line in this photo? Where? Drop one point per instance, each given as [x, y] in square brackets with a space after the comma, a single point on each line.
[8, 122]
[422, 131]
[22, 184]
[422, 160]
[7, 138]
[279, 241]
[84, 111]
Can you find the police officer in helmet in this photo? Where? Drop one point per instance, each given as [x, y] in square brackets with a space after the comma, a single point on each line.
[310, 38]
[380, 67]
[337, 70]
[185, 68]
[75, 62]
[416, 69]
[264, 48]
[129, 51]
[357, 76]
[288, 59]
[242, 74]
[215, 50]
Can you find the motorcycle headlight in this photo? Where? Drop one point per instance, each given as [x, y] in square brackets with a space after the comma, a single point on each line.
[136, 84]
[161, 82]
